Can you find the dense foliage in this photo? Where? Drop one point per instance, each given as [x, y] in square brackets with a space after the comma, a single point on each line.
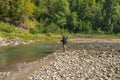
[58, 16]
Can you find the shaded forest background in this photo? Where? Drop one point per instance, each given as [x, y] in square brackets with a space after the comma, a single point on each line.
[59, 16]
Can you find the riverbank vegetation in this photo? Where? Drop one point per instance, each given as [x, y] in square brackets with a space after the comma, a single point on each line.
[47, 19]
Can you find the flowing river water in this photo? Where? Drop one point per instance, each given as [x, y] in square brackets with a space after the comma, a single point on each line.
[31, 52]
[24, 53]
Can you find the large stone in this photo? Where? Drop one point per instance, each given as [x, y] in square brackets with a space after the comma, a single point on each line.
[1, 39]
[30, 78]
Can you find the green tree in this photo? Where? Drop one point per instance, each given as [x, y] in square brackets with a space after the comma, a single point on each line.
[61, 12]
[97, 16]
[75, 16]
[109, 13]
[4, 9]
[51, 12]
[19, 10]
[116, 28]
[84, 12]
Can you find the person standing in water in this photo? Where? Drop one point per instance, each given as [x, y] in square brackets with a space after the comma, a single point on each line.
[64, 41]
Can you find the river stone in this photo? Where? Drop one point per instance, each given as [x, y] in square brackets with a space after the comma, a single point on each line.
[16, 43]
[30, 78]
[1, 39]
[0, 73]
[7, 74]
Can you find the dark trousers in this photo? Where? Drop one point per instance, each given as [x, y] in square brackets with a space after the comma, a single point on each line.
[64, 49]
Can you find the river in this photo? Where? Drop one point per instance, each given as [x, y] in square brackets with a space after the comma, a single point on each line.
[24, 53]
[31, 52]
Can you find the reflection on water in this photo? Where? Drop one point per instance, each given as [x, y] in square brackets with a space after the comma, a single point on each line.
[11, 55]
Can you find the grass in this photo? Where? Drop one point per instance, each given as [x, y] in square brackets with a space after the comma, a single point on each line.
[28, 36]
[10, 31]
[101, 36]
[45, 37]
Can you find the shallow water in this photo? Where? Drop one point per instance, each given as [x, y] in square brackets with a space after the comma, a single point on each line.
[24, 53]
[32, 52]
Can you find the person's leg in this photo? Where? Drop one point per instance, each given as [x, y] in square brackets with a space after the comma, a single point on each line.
[64, 47]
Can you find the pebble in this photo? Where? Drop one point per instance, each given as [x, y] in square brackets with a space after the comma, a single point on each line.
[7, 42]
[30, 78]
[69, 66]
[78, 65]
[8, 73]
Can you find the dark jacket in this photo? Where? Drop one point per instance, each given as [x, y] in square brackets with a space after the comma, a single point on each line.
[64, 40]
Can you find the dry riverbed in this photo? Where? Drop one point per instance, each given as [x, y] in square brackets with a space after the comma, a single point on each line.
[75, 64]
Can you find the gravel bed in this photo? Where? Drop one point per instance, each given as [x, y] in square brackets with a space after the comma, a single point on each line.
[80, 65]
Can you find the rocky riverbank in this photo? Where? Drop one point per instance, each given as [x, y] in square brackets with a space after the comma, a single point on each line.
[81, 65]
[71, 65]
[13, 42]
[93, 61]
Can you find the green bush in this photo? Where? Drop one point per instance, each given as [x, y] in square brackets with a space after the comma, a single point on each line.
[38, 29]
[7, 28]
[32, 30]
[52, 28]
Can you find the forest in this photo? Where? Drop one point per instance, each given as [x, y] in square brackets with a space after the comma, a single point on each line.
[61, 16]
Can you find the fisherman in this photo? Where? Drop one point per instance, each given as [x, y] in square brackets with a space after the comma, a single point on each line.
[64, 41]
